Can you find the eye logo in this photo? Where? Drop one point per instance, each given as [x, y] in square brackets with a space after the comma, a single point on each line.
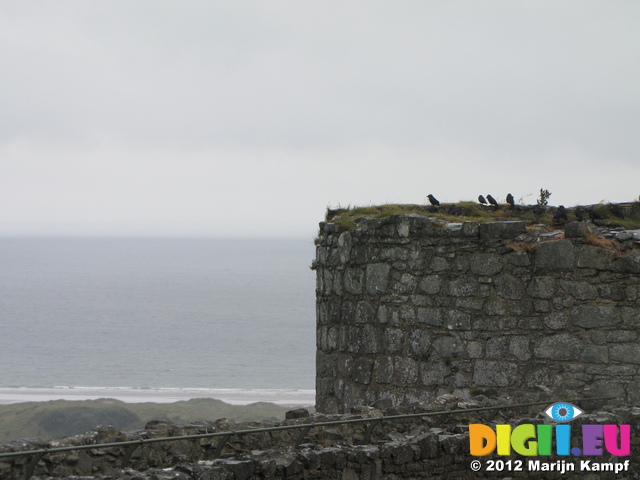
[563, 412]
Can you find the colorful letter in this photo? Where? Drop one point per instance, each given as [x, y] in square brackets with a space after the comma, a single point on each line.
[523, 440]
[503, 434]
[563, 439]
[611, 437]
[482, 439]
[592, 439]
[545, 432]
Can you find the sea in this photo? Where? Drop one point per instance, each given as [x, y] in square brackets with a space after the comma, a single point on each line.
[157, 319]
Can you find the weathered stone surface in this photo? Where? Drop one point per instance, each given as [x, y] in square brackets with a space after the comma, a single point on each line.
[559, 347]
[486, 264]
[431, 284]
[594, 316]
[629, 263]
[629, 353]
[430, 316]
[353, 280]
[542, 287]
[406, 370]
[448, 347]
[432, 309]
[419, 343]
[496, 347]
[372, 339]
[556, 320]
[489, 373]
[433, 373]
[377, 278]
[364, 313]
[462, 287]
[554, 256]
[519, 347]
[579, 229]
[362, 369]
[497, 230]
[595, 354]
[383, 369]
[578, 290]
[470, 229]
[594, 257]
[509, 286]
[394, 340]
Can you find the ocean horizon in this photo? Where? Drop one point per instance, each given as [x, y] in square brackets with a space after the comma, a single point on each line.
[164, 316]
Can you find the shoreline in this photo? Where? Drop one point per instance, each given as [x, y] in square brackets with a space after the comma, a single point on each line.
[232, 396]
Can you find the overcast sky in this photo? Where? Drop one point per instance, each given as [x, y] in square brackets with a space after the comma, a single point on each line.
[242, 118]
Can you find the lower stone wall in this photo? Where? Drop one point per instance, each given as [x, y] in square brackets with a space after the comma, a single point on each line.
[408, 449]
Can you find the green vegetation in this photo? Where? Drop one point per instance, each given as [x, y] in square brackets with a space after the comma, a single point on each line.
[544, 197]
[61, 418]
[471, 211]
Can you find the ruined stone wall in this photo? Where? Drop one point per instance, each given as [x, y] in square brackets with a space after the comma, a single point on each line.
[410, 307]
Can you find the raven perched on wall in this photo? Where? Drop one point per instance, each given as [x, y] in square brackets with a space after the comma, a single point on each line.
[492, 200]
[482, 200]
[510, 199]
[560, 214]
[433, 200]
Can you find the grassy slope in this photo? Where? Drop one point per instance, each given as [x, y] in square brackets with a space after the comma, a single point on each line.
[60, 418]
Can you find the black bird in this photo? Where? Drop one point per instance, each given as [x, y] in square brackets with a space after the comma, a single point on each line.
[579, 214]
[560, 214]
[433, 200]
[492, 200]
[482, 200]
[510, 199]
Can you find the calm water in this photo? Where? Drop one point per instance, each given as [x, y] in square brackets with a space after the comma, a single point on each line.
[157, 313]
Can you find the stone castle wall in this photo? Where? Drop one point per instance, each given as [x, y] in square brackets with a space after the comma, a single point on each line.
[409, 308]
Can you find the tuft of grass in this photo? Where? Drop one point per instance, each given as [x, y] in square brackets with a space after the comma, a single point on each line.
[607, 243]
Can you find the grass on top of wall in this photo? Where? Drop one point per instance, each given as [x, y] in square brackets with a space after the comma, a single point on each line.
[474, 212]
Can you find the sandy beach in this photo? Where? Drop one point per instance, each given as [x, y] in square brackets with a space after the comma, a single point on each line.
[158, 395]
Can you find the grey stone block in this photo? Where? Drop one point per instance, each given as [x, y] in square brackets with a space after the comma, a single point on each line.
[626, 353]
[362, 369]
[578, 290]
[556, 320]
[406, 371]
[554, 256]
[431, 284]
[486, 264]
[559, 347]
[519, 347]
[419, 343]
[595, 354]
[462, 287]
[490, 373]
[433, 373]
[579, 229]
[448, 347]
[629, 263]
[364, 313]
[589, 256]
[383, 370]
[594, 316]
[497, 230]
[377, 278]
[509, 286]
[430, 316]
